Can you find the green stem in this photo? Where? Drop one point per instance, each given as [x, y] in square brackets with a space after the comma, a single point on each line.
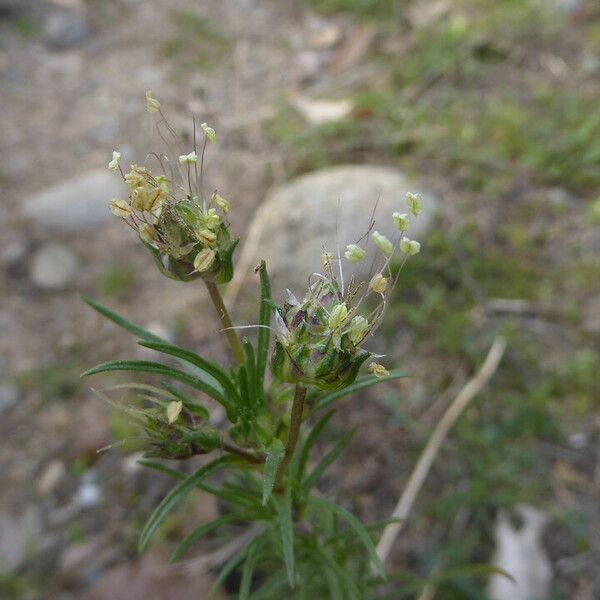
[234, 340]
[232, 449]
[294, 432]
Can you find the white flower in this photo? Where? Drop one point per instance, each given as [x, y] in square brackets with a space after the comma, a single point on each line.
[415, 203]
[401, 221]
[354, 253]
[113, 165]
[152, 104]
[188, 159]
[337, 316]
[209, 132]
[383, 243]
[410, 247]
[174, 410]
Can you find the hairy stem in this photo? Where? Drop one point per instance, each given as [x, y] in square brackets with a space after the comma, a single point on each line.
[292, 440]
[234, 340]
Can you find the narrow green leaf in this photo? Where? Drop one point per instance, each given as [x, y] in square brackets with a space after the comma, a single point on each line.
[251, 372]
[327, 460]
[252, 557]
[203, 530]
[138, 331]
[360, 384]
[175, 496]
[264, 333]
[227, 569]
[275, 583]
[158, 369]
[310, 442]
[286, 529]
[275, 453]
[214, 371]
[356, 525]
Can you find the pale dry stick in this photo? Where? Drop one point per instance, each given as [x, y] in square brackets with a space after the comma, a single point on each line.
[421, 470]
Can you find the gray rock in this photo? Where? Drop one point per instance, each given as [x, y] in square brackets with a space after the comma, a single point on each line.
[53, 266]
[77, 203]
[65, 29]
[9, 396]
[298, 220]
[18, 536]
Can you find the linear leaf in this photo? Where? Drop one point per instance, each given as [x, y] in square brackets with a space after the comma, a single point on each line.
[327, 460]
[360, 384]
[228, 568]
[175, 496]
[214, 371]
[275, 454]
[310, 442]
[286, 529]
[251, 372]
[356, 525]
[158, 369]
[252, 557]
[203, 530]
[138, 331]
[264, 332]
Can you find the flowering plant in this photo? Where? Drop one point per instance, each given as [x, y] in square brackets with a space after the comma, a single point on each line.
[302, 543]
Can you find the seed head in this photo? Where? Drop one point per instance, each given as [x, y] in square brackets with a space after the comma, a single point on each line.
[204, 260]
[358, 327]
[383, 243]
[209, 132]
[354, 253]
[378, 370]
[113, 165]
[415, 203]
[401, 221]
[409, 247]
[120, 208]
[188, 159]
[379, 283]
[337, 316]
[152, 104]
[221, 203]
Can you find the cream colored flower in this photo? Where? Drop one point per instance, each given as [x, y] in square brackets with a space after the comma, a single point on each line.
[113, 165]
[152, 104]
[209, 132]
[337, 316]
[120, 208]
[409, 247]
[174, 410]
[358, 328]
[379, 283]
[188, 159]
[383, 243]
[204, 260]
[378, 370]
[354, 253]
[415, 203]
[401, 221]
[221, 203]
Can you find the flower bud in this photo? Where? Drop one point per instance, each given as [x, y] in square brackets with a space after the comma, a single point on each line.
[379, 283]
[188, 159]
[174, 410]
[378, 370]
[120, 208]
[358, 328]
[354, 253]
[113, 165]
[210, 219]
[209, 132]
[204, 260]
[415, 203]
[221, 203]
[152, 104]
[337, 316]
[383, 243]
[401, 221]
[409, 247]
[206, 236]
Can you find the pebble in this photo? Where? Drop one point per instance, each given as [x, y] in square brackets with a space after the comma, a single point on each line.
[9, 396]
[77, 203]
[53, 266]
[65, 29]
[50, 477]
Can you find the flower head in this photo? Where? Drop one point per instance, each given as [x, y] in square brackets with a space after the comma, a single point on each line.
[378, 284]
[152, 104]
[401, 221]
[209, 132]
[188, 159]
[354, 253]
[383, 243]
[415, 203]
[409, 247]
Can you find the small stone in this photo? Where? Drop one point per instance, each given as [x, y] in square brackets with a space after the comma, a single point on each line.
[65, 29]
[89, 493]
[9, 396]
[76, 203]
[53, 266]
[50, 477]
[18, 536]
